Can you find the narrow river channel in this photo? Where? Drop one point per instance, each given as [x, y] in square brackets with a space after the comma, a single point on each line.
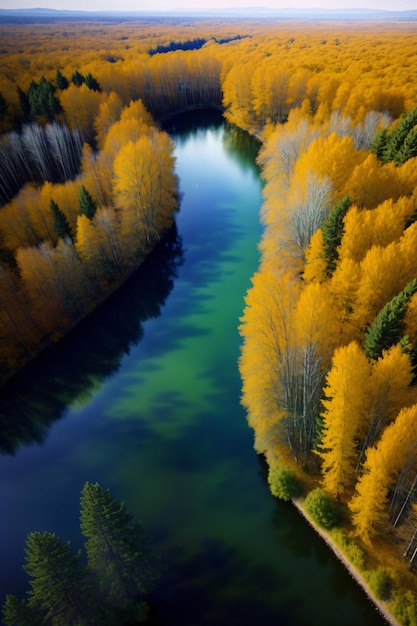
[144, 398]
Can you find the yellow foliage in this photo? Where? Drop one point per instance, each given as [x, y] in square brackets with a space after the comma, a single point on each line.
[395, 450]
[315, 266]
[346, 407]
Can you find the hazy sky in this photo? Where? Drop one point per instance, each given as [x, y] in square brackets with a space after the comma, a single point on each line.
[158, 5]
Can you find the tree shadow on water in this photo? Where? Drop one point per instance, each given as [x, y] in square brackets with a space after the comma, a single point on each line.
[218, 586]
[93, 351]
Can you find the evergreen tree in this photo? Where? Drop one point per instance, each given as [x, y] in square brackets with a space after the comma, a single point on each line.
[60, 587]
[117, 549]
[413, 359]
[408, 149]
[62, 229]
[92, 83]
[3, 106]
[61, 81]
[18, 612]
[77, 78]
[379, 144]
[87, 204]
[400, 144]
[388, 327]
[333, 228]
[42, 99]
[24, 103]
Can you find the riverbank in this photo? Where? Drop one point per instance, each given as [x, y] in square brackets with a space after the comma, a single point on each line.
[380, 606]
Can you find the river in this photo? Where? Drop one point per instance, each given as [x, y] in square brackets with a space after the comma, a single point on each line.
[143, 397]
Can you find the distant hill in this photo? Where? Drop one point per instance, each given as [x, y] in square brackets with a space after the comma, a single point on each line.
[45, 15]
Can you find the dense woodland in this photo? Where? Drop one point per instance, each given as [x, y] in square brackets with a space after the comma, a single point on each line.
[329, 329]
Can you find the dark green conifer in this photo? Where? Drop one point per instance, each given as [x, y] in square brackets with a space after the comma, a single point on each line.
[87, 204]
[379, 144]
[77, 78]
[400, 144]
[18, 612]
[24, 103]
[42, 99]
[333, 229]
[117, 549]
[92, 83]
[408, 149]
[61, 81]
[388, 327]
[62, 229]
[60, 587]
[3, 107]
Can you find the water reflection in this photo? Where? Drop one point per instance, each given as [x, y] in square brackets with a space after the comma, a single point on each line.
[71, 370]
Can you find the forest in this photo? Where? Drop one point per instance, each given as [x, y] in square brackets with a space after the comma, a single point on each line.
[329, 335]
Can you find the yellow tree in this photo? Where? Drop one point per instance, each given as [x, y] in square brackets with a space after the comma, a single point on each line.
[314, 324]
[389, 391]
[377, 227]
[371, 182]
[237, 94]
[384, 273]
[144, 188]
[394, 454]
[108, 226]
[277, 373]
[346, 407]
[88, 246]
[342, 291]
[315, 265]
[97, 172]
[38, 276]
[333, 157]
[108, 113]
[270, 87]
[81, 106]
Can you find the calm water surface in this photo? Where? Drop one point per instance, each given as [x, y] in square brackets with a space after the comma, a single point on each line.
[144, 398]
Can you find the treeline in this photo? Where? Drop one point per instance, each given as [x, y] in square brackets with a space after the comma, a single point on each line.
[259, 74]
[122, 568]
[329, 357]
[192, 44]
[65, 247]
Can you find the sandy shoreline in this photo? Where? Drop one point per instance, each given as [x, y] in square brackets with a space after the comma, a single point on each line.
[380, 606]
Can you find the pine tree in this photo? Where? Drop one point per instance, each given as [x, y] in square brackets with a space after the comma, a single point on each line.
[92, 83]
[3, 107]
[77, 78]
[18, 612]
[24, 103]
[379, 144]
[408, 149]
[400, 144]
[332, 229]
[388, 327]
[42, 99]
[60, 223]
[87, 204]
[61, 81]
[60, 587]
[117, 549]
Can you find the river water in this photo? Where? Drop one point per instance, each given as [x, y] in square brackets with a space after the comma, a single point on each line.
[144, 398]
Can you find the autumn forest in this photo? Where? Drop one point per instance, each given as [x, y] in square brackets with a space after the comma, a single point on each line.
[329, 329]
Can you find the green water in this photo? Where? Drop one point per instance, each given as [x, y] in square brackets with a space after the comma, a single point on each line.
[144, 398]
